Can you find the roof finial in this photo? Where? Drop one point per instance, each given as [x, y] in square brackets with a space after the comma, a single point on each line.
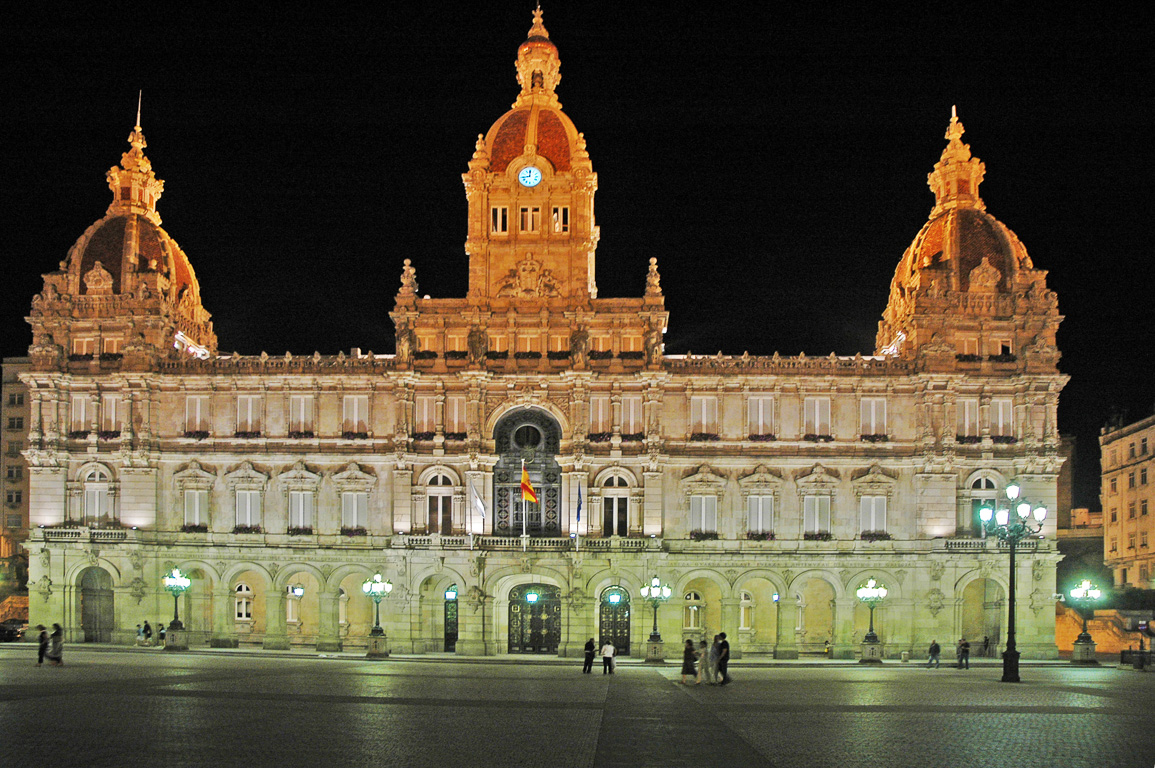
[538, 28]
[953, 112]
[139, 97]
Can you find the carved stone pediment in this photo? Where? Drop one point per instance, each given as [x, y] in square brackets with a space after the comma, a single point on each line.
[761, 481]
[98, 281]
[985, 278]
[817, 478]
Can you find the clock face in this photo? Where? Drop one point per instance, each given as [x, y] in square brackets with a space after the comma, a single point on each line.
[529, 176]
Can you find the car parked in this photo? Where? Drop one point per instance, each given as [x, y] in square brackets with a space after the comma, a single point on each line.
[12, 630]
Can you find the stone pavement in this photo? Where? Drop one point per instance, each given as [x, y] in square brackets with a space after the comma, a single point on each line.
[138, 707]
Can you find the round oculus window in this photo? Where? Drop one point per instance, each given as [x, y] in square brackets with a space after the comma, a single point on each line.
[527, 436]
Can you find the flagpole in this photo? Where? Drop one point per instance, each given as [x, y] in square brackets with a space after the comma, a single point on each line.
[524, 530]
[578, 531]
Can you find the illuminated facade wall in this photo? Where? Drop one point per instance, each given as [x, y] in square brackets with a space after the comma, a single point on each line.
[764, 490]
[1128, 498]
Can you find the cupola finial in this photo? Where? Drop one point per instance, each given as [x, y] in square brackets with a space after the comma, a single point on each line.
[956, 176]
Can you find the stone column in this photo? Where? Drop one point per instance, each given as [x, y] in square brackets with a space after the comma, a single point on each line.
[329, 631]
[276, 630]
[786, 643]
[223, 635]
[730, 622]
[472, 623]
[652, 522]
[843, 647]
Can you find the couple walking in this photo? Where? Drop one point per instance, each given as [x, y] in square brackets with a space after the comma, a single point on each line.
[713, 661]
[51, 647]
[608, 653]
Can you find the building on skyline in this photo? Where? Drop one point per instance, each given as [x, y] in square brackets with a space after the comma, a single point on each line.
[1128, 495]
[14, 471]
[762, 489]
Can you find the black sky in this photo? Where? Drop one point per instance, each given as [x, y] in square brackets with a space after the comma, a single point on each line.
[774, 162]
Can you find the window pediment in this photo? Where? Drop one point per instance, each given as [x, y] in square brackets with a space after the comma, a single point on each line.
[299, 478]
[704, 482]
[245, 476]
[874, 481]
[353, 478]
[761, 482]
[194, 477]
[817, 480]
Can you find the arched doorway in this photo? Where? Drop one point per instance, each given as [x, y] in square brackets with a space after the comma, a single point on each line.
[815, 616]
[614, 619]
[96, 605]
[451, 619]
[533, 437]
[534, 618]
[982, 613]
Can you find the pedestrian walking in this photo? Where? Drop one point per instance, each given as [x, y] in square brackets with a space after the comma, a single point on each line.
[935, 650]
[723, 659]
[589, 662]
[42, 641]
[160, 635]
[147, 633]
[139, 635]
[704, 664]
[608, 652]
[986, 646]
[55, 652]
[713, 659]
[963, 652]
[689, 657]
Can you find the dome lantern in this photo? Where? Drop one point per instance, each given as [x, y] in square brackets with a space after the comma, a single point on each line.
[956, 176]
[135, 188]
[538, 67]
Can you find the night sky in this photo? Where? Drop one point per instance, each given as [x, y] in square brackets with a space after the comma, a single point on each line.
[774, 163]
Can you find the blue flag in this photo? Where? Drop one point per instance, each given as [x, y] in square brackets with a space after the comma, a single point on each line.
[579, 511]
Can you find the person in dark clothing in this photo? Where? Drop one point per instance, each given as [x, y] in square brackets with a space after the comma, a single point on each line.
[43, 643]
[160, 635]
[147, 633]
[689, 656]
[55, 653]
[963, 652]
[723, 659]
[589, 662]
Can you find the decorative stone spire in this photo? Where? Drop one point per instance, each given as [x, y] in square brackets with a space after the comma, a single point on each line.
[538, 67]
[956, 176]
[135, 188]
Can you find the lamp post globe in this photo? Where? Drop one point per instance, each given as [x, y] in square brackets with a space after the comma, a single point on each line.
[1011, 527]
[871, 593]
[177, 584]
[1084, 595]
[655, 593]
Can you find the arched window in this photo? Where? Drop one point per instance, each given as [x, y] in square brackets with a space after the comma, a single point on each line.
[746, 611]
[982, 493]
[615, 506]
[439, 496]
[692, 612]
[244, 602]
[97, 500]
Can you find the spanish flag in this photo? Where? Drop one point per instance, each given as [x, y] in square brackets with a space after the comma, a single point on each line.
[527, 492]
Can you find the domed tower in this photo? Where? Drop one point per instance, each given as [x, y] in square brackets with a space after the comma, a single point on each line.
[531, 240]
[126, 290]
[965, 290]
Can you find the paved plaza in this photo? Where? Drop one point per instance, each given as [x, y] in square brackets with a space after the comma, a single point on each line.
[118, 707]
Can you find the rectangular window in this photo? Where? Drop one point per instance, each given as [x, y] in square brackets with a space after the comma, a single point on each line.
[816, 514]
[968, 418]
[300, 509]
[761, 416]
[760, 514]
[528, 343]
[15, 521]
[248, 508]
[196, 413]
[632, 415]
[872, 416]
[1131, 510]
[1114, 546]
[425, 416]
[16, 398]
[1114, 515]
[80, 415]
[600, 343]
[248, 413]
[499, 343]
[1142, 446]
[354, 509]
[1001, 347]
[301, 413]
[456, 341]
[1002, 418]
[600, 414]
[704, 415]
[499, 220]
[1143, 476]
[872, 513]
[83, 346]
[1130, 541]
[15, 422]
[631, 343]
[558, 343]
[704, 513]
[110, 345]
[355, 413]
[111, 413]
[1143, 508]
[1143, 539]
[817, 416]
[1114, 485]
[13, 497]
[1130, 479]
[13, 472]
[196, 507]
[561, 219]
[529, 218]
[426, 342]
[455, 414]
[970, 346]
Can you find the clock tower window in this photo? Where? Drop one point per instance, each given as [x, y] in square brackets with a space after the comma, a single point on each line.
[530, 219]
[561, 219]
[499, 220]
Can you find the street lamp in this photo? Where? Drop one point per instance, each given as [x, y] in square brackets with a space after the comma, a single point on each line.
[176, 583]
[1083, 651]
[871, 594]
[1012, 530]
[656, 593]
[376, 588]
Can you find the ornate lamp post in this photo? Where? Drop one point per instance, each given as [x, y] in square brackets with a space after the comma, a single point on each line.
[655, 593]
[871, 594]
[376, 588]
[1011, 529]
[176, 583]
[1083, 651]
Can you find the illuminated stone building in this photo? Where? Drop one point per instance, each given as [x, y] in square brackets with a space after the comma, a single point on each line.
[1128, 497]
[764, 490]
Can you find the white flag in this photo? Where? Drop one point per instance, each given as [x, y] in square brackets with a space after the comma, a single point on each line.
[477, 502]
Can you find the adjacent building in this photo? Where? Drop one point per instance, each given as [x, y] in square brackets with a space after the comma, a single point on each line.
[13, 471]
[763, 489]
[1128, 495]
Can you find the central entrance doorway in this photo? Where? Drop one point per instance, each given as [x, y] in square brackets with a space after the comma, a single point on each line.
[451, 619]
[96, 605]
[534, 618]
[614, 619]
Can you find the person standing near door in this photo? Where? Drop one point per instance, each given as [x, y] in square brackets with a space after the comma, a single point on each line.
[589, 663]
[723, 659]
[608, 652]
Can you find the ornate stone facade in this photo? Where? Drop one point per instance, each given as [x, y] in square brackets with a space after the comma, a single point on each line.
[762, 489]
